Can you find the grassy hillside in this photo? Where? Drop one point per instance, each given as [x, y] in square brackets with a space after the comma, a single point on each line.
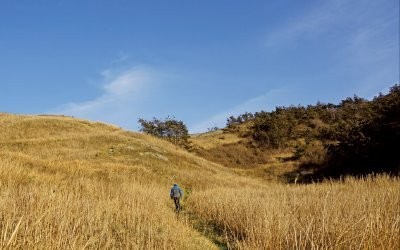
[70, 183]
[234, 151]
[67, 183]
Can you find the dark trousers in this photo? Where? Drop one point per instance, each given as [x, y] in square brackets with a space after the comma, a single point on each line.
[177, 204]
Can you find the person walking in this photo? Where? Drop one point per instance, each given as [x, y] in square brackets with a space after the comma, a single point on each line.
[176, 194]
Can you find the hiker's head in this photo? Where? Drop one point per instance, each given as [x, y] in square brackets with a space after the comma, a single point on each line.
[175, 184]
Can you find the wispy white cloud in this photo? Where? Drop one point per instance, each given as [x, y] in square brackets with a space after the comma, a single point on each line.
[327, 17]
[128, 83]
[355, 23]
[121, 94]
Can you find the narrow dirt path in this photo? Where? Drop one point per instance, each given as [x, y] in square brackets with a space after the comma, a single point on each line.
[212, 232]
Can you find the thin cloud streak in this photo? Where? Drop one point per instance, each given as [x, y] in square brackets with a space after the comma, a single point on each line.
[311, 24]
[267, 101]
[325, 18]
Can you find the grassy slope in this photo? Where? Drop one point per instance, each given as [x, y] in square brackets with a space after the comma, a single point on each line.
[229, 149]
[73, 183]
[68, 183]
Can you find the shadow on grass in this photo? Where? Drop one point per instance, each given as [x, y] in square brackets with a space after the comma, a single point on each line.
[307, 174]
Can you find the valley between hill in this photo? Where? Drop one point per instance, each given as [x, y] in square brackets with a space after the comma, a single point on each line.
[67, 183]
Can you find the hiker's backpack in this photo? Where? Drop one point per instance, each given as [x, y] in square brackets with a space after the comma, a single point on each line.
[176, 192]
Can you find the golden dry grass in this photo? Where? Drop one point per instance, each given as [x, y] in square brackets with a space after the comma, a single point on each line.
[214, 139]
[63, 187]
[355, 214]
[87, 209]
[72, 184]
[228, 149]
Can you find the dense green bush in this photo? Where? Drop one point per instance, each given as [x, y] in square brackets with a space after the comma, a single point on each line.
[171, 129]
[373, 145]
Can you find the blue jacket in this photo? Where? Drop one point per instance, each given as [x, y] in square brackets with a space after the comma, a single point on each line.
[176, 192]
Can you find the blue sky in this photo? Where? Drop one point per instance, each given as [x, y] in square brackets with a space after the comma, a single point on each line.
[200, 61]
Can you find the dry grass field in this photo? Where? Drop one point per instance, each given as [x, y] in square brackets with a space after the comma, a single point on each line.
[73, 184]
[354, 214]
